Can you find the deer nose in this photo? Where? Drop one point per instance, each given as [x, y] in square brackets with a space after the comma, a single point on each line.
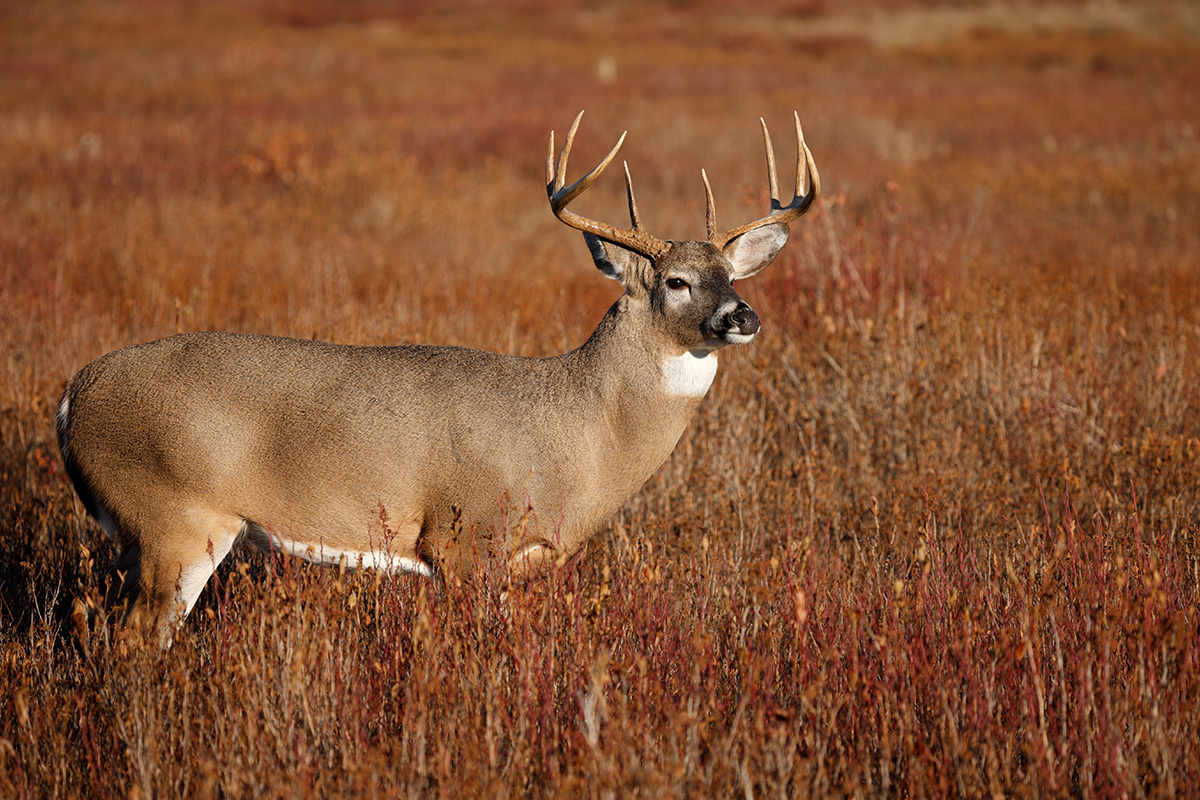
[744, 320]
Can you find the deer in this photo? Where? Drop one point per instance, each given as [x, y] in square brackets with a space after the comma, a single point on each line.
[411, 458]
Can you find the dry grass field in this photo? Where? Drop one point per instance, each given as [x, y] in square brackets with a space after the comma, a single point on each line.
[936, 532]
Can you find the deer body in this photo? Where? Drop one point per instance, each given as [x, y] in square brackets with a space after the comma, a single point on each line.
[408, 457]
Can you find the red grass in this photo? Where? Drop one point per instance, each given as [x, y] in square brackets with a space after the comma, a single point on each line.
[933, 534]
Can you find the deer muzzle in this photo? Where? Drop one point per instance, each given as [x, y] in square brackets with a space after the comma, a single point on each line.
[736, 323]
[743, 320]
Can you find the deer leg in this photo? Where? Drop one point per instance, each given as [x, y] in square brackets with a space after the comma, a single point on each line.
[123, 579]
[122, 586]
[175, 566]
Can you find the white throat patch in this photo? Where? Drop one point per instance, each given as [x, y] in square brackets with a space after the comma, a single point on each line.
[690, 374]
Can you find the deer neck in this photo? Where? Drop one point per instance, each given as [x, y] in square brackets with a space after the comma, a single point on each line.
[647, 386]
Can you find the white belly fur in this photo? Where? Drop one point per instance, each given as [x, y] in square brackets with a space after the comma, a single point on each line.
[373, 559]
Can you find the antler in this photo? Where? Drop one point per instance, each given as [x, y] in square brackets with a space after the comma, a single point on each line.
[806, 168]
[636, 238]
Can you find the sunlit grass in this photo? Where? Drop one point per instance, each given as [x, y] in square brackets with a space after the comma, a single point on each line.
[934, 533]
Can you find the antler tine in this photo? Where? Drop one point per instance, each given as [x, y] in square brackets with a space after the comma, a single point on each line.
[550, 188]
[635, 238]
[556, 177]
[808, 168]
[560, 177]
[772, 178]
[635, 219]
[710, 209]
[808, 188]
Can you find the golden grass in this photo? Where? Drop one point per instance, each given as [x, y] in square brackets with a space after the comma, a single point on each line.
[934, 533]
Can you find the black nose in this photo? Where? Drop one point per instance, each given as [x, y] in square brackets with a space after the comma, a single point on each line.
[744, 320]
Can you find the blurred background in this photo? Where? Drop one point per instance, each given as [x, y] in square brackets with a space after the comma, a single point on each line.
[267, 166]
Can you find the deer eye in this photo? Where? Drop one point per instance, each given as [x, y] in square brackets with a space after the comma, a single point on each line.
[676, 283]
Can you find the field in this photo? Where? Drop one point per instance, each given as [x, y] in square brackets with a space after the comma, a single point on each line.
[936, 532]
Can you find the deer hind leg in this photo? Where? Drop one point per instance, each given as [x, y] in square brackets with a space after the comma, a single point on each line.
[175, 564]
[124, 578]
[122, 584]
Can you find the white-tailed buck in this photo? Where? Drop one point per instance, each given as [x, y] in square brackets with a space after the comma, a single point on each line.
[411, 457]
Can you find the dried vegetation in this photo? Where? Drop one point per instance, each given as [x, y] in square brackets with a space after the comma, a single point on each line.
[933, 534]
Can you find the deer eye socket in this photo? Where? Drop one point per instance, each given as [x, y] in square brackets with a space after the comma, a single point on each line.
[676, 283]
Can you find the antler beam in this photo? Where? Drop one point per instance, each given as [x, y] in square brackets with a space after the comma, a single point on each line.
[635, 238]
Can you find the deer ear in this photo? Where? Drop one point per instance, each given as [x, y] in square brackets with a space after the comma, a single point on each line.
[613, 260]
[754, 250]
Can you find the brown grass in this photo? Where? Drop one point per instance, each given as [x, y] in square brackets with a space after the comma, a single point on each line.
[933, 534]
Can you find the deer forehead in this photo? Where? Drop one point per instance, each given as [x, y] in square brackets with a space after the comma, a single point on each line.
[694, 258]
